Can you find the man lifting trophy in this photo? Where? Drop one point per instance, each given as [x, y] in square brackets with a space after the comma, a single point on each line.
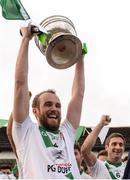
[45, 149]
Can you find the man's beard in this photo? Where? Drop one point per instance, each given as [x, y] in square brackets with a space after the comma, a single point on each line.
[44, 119]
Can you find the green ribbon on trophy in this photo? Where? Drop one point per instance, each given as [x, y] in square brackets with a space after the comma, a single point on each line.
[84, 49]
[43, 38]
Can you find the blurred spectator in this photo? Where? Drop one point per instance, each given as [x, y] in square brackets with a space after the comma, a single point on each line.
[86, 168]
[102, 155]
[79, 160]
[5, 172]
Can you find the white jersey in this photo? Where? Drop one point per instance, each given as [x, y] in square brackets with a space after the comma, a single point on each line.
[46, 156]
[105, 170]
[116, 171]
[99, 171]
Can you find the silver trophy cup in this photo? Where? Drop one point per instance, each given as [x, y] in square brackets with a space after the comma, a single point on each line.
[62, 48]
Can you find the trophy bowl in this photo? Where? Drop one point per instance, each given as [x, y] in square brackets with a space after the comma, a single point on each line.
[63, 48]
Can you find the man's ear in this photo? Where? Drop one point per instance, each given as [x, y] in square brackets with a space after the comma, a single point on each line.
[82, 158]
[35, 111]
[106, 147]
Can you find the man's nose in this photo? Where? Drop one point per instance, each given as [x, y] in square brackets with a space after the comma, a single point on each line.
[54, 107]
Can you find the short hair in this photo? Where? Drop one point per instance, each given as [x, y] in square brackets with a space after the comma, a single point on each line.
[5, 167]
[35, 102]
[102, 153]
[77, 146]
[114, 135]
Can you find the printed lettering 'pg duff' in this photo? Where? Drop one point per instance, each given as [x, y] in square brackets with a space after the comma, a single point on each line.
[59, 169]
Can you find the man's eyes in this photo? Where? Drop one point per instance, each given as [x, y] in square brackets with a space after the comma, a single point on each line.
[58, 105]
[120, 144]
[49, 104]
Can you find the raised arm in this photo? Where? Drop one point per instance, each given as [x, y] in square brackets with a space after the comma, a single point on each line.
[86, 149]
[75, 105]
[9, 133]
[21, 98]
[9, 130]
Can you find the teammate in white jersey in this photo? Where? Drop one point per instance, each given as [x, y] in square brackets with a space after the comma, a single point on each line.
[113, 167]
[46, 150]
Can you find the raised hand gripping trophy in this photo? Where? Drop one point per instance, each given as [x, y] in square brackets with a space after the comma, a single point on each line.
[61, 46]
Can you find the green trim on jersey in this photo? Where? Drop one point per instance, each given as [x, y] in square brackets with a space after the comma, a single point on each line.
[69, 175]
[108, 165]
[52, 131]
[111, 174]
[116, 165]
[48, 143]
[45, 137]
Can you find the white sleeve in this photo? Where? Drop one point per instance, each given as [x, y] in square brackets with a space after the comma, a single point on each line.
[99, 171]
[20, 131]
[68, 128]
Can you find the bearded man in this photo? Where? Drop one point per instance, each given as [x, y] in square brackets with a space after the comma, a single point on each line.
[45, 150]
